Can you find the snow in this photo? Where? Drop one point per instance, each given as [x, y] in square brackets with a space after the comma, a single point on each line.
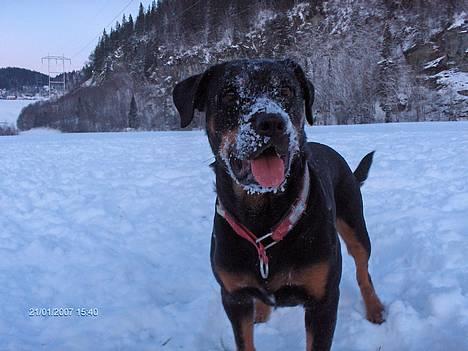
[460, 19]
[266, 105]
[248, 140]
[88, 83]
[457, 80]
[434, 63]
[10, 110]
[122, 223]
[40, 131]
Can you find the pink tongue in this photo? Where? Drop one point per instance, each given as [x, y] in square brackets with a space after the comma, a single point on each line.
[268, 170]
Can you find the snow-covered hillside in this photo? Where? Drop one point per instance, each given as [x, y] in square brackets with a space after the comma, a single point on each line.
[10, 110]
[369, 60]
[121, 223]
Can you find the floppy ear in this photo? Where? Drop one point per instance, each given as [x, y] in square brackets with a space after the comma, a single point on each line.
[189, 95]
[307, 88]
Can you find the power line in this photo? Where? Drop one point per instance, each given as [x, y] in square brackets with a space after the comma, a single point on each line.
[173, 17]
[188, 8]
[97, 36]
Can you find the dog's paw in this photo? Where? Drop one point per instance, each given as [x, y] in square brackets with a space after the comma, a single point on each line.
[262, 312]
[375, 313]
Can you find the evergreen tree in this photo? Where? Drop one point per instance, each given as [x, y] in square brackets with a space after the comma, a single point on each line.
[133, 120]
[148, 20]
[114, 37]
[387, 86]
[104, 38]
[129, 28]
[100, 52]
[154, 14]
[140, 21]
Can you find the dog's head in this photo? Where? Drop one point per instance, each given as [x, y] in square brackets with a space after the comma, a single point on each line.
[255, 113]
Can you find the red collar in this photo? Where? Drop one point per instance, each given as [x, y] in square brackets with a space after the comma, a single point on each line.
[279, 231]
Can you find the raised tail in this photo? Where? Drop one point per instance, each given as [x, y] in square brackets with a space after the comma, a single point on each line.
[362, 170]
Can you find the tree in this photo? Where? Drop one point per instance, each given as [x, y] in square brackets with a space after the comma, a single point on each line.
[133, 120]
[100, 52]
[387, 87]
[148, 17]
[140, 20]
[129, 27]
[114, 37]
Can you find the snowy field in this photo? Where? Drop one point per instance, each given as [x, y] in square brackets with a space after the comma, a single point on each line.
[10, 110]
[121, 223]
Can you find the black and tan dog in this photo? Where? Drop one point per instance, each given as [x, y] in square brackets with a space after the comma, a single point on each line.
[280, 200]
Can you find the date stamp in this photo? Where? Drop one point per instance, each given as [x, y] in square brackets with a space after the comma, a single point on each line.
[63, 312]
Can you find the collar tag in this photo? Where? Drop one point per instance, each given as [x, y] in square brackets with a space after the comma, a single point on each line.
[264, 268]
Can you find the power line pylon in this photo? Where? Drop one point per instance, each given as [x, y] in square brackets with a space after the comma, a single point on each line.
[59, 69]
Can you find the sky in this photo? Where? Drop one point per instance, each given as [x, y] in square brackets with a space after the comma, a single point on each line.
[32, 29]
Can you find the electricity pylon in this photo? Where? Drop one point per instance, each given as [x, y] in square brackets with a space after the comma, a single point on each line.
[59, 70]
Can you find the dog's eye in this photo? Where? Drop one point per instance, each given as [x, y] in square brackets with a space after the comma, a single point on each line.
[286, 92]
[229, 98]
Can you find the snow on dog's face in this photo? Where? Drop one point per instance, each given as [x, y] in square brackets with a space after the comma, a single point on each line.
[255, 112]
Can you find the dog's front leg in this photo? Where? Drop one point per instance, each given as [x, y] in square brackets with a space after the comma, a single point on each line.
[239, 308]
[320, 321]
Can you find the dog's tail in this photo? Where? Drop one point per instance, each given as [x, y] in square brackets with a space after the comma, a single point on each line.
[362, 170]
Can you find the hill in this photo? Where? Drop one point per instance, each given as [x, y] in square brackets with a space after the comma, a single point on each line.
[18, 81]
[370, 60]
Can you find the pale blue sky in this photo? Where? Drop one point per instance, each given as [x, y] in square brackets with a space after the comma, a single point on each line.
[31, 29]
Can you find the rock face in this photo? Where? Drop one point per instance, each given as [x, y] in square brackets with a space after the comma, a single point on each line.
[89, 108]
[370, 60]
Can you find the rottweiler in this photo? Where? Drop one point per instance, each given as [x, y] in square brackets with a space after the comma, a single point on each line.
[280, 200]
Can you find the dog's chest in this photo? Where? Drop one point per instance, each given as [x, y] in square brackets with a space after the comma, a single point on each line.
[311, 280]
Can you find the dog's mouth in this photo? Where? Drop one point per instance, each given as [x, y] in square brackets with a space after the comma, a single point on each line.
[267, 168]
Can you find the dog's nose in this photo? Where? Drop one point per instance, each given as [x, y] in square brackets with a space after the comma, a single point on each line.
[269, 124]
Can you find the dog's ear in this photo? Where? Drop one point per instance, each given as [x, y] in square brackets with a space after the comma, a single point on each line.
[307, 88]
[190, 94]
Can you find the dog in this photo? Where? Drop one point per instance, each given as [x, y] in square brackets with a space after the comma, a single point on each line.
[280, 200]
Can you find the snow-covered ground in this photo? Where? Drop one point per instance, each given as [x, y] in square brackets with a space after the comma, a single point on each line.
[122, 223]
[10, 110]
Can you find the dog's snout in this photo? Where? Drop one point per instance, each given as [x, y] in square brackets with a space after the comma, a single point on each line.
[269, 124]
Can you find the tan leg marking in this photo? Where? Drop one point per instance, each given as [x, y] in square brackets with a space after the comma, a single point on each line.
[374, 307]
[315, 279]
[247, 330]
[262, 312]
[309, 340]
[235, 281]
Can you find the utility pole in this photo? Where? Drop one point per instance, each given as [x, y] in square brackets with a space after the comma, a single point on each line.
[58, 69]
